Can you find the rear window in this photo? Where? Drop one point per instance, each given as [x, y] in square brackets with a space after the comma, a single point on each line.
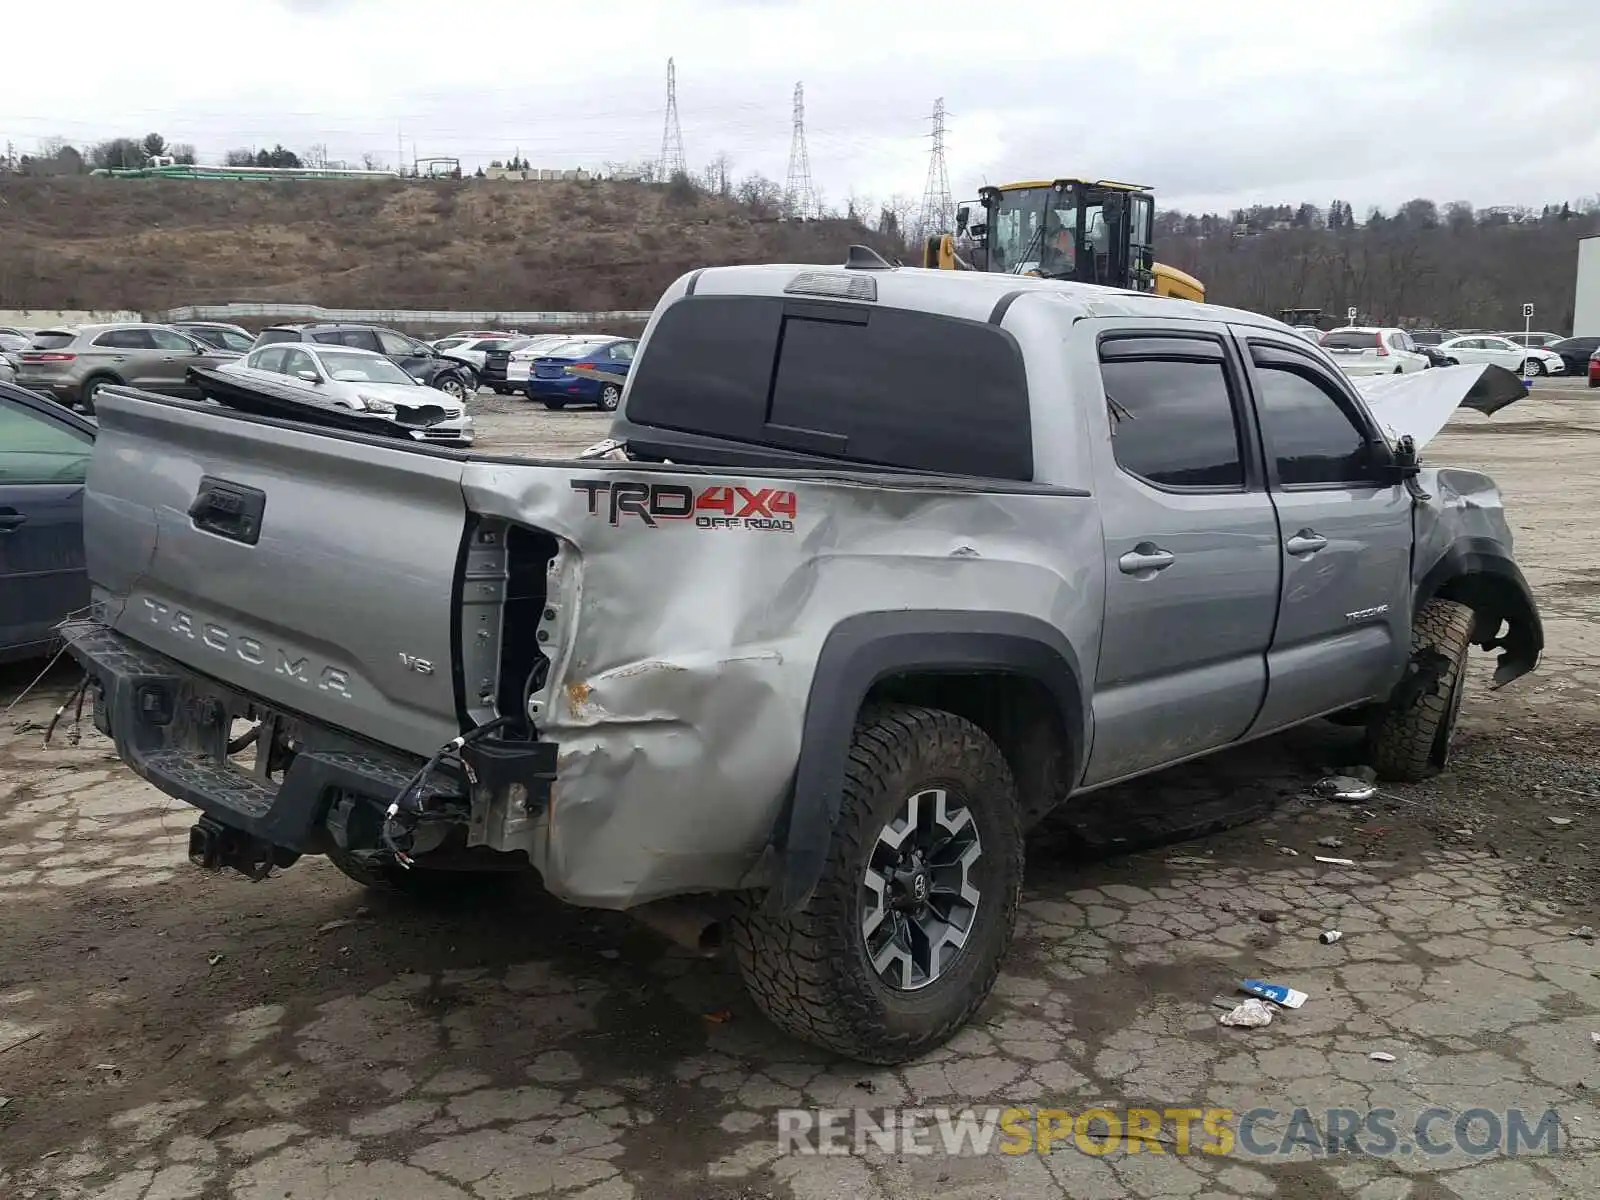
[269, 336]
[1350, 340]
[1424, 337]
[883, 386]
[572, 349]
[53, 339]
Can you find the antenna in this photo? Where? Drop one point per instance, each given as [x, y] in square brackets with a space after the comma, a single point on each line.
[936, 206]
[799, 200]
[672, 162]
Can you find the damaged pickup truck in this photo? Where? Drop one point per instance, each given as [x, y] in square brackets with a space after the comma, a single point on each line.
[879, 567]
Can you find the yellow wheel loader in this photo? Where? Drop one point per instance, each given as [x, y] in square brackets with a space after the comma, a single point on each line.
[1093, 232]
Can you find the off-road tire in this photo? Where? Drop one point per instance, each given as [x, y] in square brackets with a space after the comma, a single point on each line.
[1409, 739]
[809, 971]
[418, 883]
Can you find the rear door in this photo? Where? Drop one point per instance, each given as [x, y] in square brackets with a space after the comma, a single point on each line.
[1191, 548]
[1343, 630]
[43, 461]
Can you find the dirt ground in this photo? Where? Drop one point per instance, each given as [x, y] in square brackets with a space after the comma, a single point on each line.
[167, 1034]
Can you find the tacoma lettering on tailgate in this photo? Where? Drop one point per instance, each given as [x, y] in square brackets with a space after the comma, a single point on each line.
[246, 649]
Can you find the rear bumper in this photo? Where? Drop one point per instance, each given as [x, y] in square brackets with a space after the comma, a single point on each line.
[571, 388]
[172, 725]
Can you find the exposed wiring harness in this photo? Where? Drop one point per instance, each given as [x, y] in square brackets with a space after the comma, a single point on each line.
[406, 810]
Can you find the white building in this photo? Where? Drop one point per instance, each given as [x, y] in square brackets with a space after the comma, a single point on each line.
[1586, 304]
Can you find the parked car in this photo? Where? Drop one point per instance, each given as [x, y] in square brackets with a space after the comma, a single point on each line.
[557, 386]
[218, 334]
[1373, 350]
[44, 453]
[418, 359]
[1594, 369]
[496, 372]
[519, 367]
[830, 647]
[74, 363]
[1575, 353]
[360, 380]
[1503, 352]
[472, 352]
[1310, 332]
[12, 338]
[1539, 341]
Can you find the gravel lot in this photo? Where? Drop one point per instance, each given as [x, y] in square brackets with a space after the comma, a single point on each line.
[166, 1034]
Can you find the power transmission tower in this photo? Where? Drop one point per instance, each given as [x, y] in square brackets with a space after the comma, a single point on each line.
[672, 162]
[936, 205]
[799, 198]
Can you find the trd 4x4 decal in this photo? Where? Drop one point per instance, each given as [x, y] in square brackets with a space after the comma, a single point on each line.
[719, 507]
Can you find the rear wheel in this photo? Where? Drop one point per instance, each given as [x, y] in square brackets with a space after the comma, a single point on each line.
[500, 389]
[554, 405]
[610, 397]
[91, 389]
[1532, 367]
[1409, 739]
[902, 938]
[1452, 362]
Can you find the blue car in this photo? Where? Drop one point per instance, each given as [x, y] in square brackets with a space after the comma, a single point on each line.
[551, 381]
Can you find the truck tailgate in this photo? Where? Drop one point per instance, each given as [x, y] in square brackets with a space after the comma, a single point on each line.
[315, 572]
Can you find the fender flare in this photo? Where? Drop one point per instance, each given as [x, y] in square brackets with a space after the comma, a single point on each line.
[1478, 572]
[867, 648]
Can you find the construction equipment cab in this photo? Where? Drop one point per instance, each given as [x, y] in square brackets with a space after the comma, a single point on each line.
[1101, 232]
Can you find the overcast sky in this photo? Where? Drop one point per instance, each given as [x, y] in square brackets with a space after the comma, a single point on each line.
[1214, 105]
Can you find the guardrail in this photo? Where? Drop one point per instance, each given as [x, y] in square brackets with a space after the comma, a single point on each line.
[485, 318]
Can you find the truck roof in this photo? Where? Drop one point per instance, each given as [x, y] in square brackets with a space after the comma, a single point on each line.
[974, 295]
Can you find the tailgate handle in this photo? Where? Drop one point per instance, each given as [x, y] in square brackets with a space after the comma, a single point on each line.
[230, 510]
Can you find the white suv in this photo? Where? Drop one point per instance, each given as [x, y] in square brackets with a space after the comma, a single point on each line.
[1373, 350]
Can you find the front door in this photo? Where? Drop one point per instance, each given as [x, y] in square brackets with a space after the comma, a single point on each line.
[1343, 632]
[169, 365]
[1191, 547]
[43, 462]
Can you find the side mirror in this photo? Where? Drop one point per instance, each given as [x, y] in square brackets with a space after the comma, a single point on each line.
[309, 376]
[980, 230]
[962, 215]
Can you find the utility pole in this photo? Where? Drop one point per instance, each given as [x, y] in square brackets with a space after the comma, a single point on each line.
[936, 213]
[799, 198]
[671, 163]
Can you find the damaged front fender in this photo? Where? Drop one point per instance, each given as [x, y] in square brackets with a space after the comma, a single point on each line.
[1463, 553]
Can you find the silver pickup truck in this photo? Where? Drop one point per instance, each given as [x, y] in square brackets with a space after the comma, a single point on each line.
[880, 567]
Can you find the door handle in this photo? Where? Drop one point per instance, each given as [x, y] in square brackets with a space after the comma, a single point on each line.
[10, 519]
[1307, 541]
[1146, 559]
